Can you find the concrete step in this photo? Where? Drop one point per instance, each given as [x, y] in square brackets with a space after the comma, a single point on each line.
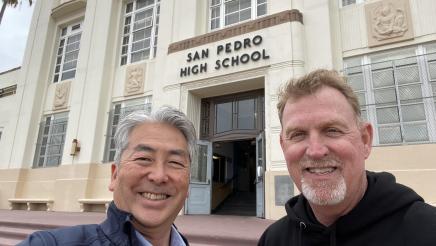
[9, 241]
[14, 233]
[201, 230]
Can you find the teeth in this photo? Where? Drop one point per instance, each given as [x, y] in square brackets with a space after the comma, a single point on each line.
[152, 196]
[321, 170]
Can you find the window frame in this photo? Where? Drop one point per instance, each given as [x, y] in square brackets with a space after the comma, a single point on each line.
[65, 33]
[254, 4]
[144, 102]
[44, 141]
[127, 42]
[341, 3]
[402, 59]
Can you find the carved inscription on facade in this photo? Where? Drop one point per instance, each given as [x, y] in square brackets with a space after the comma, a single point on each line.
[134, 83]
[388, 21]
[61, 95]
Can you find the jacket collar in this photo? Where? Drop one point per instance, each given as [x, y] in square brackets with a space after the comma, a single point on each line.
[119, 229]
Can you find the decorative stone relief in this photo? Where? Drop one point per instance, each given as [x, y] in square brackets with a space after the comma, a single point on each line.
[61, 95]
[134, 83]
[284, 189]
[388, 21]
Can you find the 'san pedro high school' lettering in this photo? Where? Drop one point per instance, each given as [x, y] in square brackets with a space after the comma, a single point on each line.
[226, 62]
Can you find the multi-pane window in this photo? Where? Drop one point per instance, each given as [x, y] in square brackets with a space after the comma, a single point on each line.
[398, 97]
[68, 52]
[348, 2]
[8, 91]
[231, 115]
[51, 139]
[227, 12]
[431, 68]
[120, 110]
[393, 89]
[140, 30]
[354, 72]
[235, 115]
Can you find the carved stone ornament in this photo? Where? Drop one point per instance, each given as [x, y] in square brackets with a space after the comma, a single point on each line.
[61, 94]
[388, 21]
[134, 83]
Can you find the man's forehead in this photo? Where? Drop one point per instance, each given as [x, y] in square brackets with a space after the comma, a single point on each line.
[152, 148]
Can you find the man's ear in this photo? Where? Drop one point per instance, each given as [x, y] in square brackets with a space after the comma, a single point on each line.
[367, 133]
[114, 173]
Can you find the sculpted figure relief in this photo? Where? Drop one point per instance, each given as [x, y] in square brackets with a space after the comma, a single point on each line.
[135, 80]
[388, 21]
[61, 95]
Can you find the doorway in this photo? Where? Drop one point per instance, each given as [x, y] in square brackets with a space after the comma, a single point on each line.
[233, 178]
[227, 173]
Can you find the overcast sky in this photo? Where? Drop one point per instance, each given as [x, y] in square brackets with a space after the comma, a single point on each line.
[13, 34]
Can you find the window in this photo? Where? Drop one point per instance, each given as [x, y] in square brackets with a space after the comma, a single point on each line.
[120, 110]
[350, 2]
[231, 115]
[8, 91]
[68, 52]
[227, 12]
[140, 29]
[355, 77]
[431, 68]
[51, 139]
[396, 94]
[235, 115]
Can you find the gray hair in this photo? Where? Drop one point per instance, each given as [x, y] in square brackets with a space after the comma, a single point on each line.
[165, 114]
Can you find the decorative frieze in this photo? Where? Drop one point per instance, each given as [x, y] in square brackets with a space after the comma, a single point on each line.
[61, 95]
[246, 27]
[134, 83]
[388, 21]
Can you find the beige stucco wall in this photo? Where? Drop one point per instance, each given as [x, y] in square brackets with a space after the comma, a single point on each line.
[8, 115]
[354, 36]
[412, 165]
[64, 184]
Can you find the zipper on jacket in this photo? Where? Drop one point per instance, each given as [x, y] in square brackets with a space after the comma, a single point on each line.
[300, 233]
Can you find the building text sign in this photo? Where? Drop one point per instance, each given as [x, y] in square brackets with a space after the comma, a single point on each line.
[224, 49]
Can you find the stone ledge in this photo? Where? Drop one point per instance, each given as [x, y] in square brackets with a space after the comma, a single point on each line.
[232, 31]
[31, 204]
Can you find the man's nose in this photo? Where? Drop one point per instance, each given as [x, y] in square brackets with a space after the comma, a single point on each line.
[158, 173]
[316, 147]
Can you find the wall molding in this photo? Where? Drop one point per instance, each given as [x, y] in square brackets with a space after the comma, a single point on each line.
[293, 15]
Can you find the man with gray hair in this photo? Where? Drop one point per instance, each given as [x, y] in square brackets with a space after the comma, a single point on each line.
[325, 144]
[149, 181]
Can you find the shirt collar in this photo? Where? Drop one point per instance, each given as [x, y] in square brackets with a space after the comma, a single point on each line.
[176, 238]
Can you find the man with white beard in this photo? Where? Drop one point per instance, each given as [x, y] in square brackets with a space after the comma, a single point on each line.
[325, 144]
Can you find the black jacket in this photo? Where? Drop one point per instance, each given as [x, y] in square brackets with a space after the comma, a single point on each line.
[115, 230]
[388, 214]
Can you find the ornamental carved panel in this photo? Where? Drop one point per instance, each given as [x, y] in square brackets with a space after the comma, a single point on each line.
[134, 83]
[61, 95]
[388, 21]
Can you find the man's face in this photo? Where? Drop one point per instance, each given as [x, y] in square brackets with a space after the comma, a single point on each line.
[325, 147]
[152, 179]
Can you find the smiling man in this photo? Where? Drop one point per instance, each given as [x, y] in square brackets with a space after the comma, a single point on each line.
[325, 144]
[150, 179]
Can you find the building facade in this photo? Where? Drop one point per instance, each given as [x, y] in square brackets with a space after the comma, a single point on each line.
[88, 63]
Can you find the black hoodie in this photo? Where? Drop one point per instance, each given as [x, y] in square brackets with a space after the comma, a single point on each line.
[388, 214]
